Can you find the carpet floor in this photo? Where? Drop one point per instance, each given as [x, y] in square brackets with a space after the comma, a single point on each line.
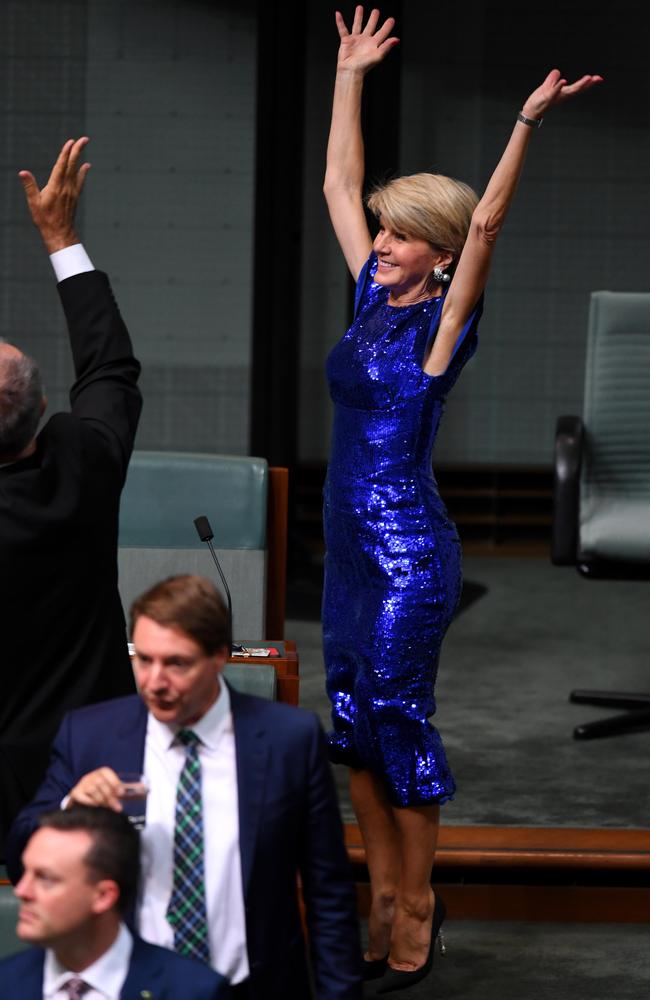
[527, 634]
[503, 960]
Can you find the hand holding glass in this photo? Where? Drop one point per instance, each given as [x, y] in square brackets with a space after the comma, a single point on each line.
[133, 797]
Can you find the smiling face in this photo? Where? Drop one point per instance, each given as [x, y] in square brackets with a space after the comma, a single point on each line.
[176, 678]
[58, 894]
[405, 265]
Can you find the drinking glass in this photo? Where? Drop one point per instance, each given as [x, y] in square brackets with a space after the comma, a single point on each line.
[134, 797]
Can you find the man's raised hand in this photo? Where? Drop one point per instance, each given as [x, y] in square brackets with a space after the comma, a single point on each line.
[53, 207]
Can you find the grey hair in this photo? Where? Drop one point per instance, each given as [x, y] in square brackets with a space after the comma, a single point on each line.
[21, 395]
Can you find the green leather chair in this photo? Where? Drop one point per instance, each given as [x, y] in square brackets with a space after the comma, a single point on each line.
[246, 504]
[252, 678]
[601, 520]
[9, 943]
[163, 494]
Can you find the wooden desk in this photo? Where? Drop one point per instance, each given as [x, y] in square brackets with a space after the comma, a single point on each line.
[286, 667]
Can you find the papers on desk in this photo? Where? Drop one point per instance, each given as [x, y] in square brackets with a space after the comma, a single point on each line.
[255, 651]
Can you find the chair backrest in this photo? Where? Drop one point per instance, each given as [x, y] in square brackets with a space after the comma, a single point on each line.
[253, 678]
[9, 943]
[615, 480]
[163, 494]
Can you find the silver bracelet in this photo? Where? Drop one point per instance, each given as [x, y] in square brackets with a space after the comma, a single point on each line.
[531, 122]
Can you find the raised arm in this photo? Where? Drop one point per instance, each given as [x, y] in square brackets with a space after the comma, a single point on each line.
[360, 50]
[104, 395]
[490, 213]
[53, 207]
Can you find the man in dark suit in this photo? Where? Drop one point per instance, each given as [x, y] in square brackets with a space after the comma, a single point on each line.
[80, 870]
[247, 778]
[62, 625]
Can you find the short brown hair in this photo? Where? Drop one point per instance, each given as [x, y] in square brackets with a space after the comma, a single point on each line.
[191, 604]
[115, 850]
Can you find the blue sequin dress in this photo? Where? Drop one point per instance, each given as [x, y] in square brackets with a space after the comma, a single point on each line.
[393, 560]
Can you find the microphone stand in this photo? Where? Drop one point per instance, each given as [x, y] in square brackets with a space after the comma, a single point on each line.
[205, 533]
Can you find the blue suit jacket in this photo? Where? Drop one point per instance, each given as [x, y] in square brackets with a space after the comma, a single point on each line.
[289, 825]
[154, 972]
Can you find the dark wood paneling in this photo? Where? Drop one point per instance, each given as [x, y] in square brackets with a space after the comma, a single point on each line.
[565, 904]
[531, 847]
[276, 552]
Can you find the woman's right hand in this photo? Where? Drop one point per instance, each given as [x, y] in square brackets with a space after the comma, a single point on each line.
[363, 48]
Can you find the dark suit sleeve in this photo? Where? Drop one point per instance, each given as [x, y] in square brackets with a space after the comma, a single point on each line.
[327, 884]
[105, 394]
[57, 783]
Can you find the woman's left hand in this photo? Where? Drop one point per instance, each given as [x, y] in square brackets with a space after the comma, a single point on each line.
[554, 90]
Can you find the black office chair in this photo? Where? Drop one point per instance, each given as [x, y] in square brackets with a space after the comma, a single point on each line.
[601, 519]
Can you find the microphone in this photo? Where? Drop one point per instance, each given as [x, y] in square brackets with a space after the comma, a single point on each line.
[205, 533]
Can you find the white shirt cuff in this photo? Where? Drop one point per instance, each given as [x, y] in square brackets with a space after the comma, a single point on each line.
[70, 261]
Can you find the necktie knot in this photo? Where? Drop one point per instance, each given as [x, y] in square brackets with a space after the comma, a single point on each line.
[75, 988]
[189, 739]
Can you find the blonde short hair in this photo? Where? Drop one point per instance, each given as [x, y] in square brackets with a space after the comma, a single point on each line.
[428, 207]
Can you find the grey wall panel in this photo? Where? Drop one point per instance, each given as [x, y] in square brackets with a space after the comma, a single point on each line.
[170, 106]
[42, 102]
[166, 90]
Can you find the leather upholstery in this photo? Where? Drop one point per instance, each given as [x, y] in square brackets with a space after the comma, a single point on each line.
[615, 482]
[164, 492]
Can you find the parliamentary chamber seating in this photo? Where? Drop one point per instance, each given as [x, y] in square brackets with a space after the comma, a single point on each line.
[246, 504]
[601, 522]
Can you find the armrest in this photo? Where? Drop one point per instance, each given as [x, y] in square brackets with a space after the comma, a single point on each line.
[569, 437]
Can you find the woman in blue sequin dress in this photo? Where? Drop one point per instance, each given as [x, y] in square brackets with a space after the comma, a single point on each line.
[393, 562]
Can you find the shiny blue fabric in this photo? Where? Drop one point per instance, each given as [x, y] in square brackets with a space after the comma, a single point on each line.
[393, 559]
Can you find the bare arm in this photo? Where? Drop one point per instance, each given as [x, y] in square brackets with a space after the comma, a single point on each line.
[488, 218]
[360, 50]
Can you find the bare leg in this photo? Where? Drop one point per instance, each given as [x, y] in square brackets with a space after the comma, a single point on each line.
[381, 839]
[417, 828]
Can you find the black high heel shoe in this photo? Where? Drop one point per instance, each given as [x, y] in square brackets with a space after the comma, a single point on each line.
[397, 979]
[373, 968]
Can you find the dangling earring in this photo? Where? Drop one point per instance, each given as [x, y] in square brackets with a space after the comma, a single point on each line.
[440, 276]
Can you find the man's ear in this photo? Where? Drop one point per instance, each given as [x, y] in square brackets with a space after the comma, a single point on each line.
[107, 894]
[43, 404]
[221, 658]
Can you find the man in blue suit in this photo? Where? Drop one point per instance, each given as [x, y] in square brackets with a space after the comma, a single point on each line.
[80, 869]
[255, 778]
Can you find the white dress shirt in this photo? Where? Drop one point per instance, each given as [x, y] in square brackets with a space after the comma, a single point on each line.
[70, 261]
[105, 977]
[163, 762]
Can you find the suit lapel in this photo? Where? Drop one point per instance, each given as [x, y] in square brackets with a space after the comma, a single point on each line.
[30, 986]
[145, 979]
[131, 733]
[251, 754]
[123, 724]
